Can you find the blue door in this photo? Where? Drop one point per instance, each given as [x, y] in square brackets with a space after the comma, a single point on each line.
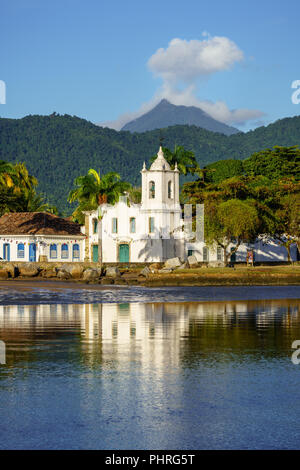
[32, 252]
[6, 252]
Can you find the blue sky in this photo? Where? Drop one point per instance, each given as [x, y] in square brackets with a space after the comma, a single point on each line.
[91, 58]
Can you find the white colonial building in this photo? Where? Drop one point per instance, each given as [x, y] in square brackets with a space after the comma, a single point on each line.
[154, 230]
[39, 236]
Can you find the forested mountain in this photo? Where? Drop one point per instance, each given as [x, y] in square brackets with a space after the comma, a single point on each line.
[166, 114]
[57, 149]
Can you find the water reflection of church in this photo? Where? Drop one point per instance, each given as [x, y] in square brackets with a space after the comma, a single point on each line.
[154, 334]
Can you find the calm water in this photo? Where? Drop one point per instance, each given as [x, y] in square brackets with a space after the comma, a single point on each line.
[150, 369]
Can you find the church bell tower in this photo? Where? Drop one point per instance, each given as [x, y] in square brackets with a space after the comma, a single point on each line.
[160, 195]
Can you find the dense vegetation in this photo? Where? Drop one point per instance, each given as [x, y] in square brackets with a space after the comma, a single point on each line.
[244, 199]
[57, 149]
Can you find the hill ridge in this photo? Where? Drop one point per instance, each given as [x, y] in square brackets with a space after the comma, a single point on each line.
[58, 148]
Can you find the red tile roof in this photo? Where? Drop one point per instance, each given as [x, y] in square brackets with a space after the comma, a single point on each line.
[37, 223]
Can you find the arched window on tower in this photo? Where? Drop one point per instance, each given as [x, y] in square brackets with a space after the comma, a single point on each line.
[170, 190]
[151, 190]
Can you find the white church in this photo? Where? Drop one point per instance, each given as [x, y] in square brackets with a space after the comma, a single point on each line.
[154, 231]
[141, 232]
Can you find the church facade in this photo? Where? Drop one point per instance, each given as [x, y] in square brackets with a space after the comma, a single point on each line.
[142, 232]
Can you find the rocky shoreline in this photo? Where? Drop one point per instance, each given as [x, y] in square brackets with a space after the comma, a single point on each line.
[171, 273]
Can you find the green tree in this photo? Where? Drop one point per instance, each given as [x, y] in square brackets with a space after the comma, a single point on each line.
[223, 169]
[287, 231]
[274, 163]
[228, 222]
[135, 195]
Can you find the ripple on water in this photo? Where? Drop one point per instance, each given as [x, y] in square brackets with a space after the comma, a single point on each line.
[120, 294]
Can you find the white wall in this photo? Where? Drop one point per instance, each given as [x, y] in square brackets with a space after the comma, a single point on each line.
[41, 248]
[263, 252]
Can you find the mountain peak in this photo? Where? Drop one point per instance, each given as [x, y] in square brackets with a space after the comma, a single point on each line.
[164, 101]
[166, 114]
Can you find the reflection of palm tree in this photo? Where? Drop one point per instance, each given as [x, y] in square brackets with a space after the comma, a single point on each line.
[91, 192]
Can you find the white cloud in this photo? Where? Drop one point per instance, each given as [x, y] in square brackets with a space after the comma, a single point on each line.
[185, 62]
[188, 60]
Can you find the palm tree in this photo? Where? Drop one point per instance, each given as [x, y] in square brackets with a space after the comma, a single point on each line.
[135, 195]
[92, 192]
[32, 202]
[185, 159]
[18, 192]
[6, 174]
[23, 180]
[9, 202]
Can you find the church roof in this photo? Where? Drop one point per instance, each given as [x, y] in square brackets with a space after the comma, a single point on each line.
[160, 163]
[37, 223]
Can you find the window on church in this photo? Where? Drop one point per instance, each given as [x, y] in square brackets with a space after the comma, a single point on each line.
[132, 224]
[114, 225]
[151, 190]
[205, 254]
[151, 224]
[95, 225]
[170, 190]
